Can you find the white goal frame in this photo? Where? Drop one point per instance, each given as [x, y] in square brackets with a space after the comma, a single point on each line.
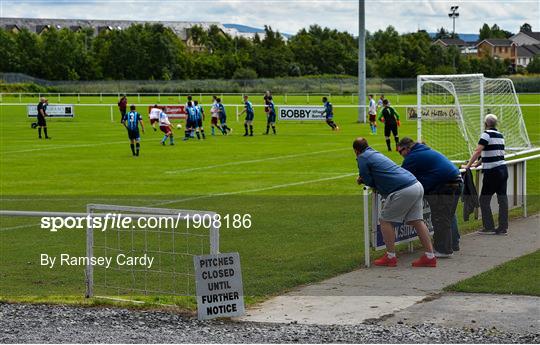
[93, 210]
[445, 81]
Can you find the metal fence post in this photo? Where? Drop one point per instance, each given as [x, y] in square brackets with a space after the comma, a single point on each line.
[89, 254]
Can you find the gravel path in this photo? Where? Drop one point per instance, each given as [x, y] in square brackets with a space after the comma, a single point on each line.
[30, 323]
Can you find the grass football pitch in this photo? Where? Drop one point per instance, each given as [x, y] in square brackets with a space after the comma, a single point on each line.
[298, 186]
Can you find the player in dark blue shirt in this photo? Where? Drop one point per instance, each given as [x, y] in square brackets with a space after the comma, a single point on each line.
[131, 121]
[329, 112]
[223, 118]
[250, 115]
[200, 119]
[270, 115]
[191, 120]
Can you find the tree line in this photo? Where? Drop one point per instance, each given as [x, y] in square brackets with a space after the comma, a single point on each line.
[155, 52]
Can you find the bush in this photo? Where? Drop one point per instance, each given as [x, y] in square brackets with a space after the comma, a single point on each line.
[244, 73]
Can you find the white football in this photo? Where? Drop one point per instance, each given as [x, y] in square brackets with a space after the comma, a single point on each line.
[179, 126]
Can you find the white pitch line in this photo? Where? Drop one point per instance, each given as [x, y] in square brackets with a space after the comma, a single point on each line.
[20, 227]
[255, 190]
[63, 147]
[253, 161]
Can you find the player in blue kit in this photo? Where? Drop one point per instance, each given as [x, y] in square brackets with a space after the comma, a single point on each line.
[223, 117]
[270, 115]
[199, 119]
[329, 112]
[250, 115]
[131, 121]
[191, 120]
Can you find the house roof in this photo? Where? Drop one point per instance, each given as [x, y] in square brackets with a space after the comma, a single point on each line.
[534, 34]
[498, 42]
[451, 41]
[529, 50]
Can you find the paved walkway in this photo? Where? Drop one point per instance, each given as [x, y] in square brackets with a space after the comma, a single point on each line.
[371, 293]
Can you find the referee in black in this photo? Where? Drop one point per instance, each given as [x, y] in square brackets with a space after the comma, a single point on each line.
[391, 123]
[42, 113]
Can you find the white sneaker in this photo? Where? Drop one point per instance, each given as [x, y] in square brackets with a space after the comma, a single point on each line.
[441, 255]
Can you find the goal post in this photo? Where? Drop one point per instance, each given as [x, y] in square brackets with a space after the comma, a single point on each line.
[451, 111]
[170, 238]
[129, 252]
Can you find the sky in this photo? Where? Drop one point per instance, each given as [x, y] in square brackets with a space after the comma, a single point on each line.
[291, 15]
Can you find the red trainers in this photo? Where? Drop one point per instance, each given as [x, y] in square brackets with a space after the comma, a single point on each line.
[425, 262]
[386, 261]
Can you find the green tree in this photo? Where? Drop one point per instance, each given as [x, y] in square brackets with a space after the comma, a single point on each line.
[534, 65]
[9, 57]
[526, 27]
[442, 33]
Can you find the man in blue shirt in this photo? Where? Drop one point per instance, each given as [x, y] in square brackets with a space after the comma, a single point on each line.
[329, 113]
[270, 115]
[403, 201]
[442, 187]
[200, 119]
[250, 115]
[223, 117]
[131, 121]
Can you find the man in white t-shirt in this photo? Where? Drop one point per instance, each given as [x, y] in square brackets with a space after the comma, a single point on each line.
[154, 116]
[215, 115]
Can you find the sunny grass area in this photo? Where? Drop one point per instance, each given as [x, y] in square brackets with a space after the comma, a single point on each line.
[299, 187]
[516, 277]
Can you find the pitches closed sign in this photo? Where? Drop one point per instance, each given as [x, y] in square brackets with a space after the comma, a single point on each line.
[57, 110]
[301, 113]
[218, 280]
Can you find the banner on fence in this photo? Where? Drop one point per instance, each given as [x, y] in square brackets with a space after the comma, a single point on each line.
[57, 110]
[172, 111]
[301, 113]
[404, 233]
[433, 113]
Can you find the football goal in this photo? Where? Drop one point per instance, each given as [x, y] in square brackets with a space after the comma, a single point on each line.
[134, 253]
[451, 111]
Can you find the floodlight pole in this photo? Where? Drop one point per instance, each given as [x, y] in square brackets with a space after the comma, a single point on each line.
[454, 14]
[361, 62]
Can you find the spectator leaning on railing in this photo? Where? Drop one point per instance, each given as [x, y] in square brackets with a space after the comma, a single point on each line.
[442, 187]
[403, 201]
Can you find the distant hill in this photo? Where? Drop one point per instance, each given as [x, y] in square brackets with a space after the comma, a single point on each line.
[245, 28]
[465, 37]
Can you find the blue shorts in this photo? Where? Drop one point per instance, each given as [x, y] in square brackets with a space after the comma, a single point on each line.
[223, 119]
[271, 118]
[329, 117]
[133, 134]
[250, 117]
[199, 123]
[191, 124]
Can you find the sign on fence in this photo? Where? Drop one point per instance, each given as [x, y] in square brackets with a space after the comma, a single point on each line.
[218, 279]
[433, 113]
[301, 113]
[172, 111]
[404, 233]
[57, 110]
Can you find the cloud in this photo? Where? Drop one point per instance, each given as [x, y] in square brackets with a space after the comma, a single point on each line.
[290, 16]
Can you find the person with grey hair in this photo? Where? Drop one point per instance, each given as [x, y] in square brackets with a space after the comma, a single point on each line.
[442, 187]
[491, 149]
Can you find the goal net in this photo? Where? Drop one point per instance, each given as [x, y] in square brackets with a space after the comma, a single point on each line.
[451, 111]
[151, 252]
